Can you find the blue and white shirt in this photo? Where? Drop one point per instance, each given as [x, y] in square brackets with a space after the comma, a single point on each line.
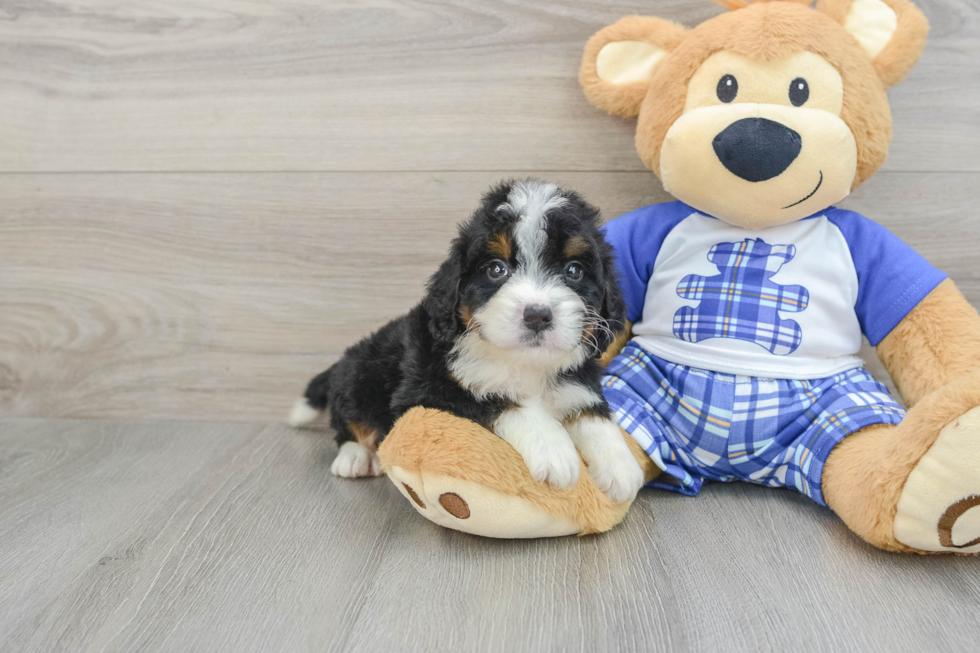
[789, 301]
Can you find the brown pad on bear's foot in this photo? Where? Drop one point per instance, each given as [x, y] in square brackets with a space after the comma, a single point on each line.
[939, 509]
[461, 476]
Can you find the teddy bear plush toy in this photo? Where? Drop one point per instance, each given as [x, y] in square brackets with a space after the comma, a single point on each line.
[748, 297]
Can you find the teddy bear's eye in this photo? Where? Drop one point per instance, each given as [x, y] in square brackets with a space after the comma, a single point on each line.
[799, 91]
[727, 88]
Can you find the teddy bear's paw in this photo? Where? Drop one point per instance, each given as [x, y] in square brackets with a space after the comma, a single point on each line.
[473, 508]
[939, 509]
[354, 460]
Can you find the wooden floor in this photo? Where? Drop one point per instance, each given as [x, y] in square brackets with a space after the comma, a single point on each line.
[183, 536]
[203, 202]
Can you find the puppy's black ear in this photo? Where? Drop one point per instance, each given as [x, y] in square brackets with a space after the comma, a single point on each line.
[441, 301]
[613, 305]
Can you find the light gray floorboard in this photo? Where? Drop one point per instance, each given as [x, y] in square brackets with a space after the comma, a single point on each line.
[170, 536]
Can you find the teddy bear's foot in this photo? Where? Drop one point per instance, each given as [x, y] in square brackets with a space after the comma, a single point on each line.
[461, 476]
[474, 508]
[914, 486]
[939, 508]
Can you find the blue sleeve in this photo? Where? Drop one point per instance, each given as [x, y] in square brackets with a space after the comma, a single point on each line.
[636, 238]
[892, 277]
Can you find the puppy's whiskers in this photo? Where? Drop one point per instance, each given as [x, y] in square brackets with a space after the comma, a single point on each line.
[593, 323]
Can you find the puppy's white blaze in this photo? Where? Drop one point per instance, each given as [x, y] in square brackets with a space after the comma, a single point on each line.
[355, 461]
[302, 414]
[543, 443]
[531, 201]
[611, 464]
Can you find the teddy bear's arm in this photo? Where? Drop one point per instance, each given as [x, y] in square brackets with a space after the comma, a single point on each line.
[938, 342]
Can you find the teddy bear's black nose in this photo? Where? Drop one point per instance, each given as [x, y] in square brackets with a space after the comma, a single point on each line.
[757, 149]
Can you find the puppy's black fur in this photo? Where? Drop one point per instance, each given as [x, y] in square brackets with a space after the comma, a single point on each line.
[406, 362]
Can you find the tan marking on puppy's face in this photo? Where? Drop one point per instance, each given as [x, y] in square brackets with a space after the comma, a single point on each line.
[500, 246]
[575, 247]
[469, 319]
[761, 143]
[366, 437]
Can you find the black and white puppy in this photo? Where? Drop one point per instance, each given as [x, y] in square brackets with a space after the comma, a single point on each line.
[507, 335]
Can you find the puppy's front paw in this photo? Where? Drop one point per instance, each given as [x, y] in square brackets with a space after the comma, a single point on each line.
[543, 443]
[611, 465]
[355, 461]
[619, 476]
[553, 463]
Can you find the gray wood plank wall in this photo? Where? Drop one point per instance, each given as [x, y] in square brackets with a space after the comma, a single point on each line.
[203, 203]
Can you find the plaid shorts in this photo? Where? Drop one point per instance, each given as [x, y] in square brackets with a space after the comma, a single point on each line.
[698, 425]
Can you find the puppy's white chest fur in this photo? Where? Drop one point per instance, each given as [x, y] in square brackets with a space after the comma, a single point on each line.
[522, 377]
[545, 429]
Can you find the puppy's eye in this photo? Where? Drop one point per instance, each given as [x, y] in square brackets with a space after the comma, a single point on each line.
[497, 270]
[574, 271]
[727, 88]
[799, 91]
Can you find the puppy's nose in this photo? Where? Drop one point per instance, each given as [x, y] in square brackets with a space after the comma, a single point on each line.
[537, 318]
[757, 149]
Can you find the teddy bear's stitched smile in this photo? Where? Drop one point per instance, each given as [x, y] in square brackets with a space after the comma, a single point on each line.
[810, 195]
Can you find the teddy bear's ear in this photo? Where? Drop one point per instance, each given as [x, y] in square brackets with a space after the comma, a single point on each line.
[620, 59]
[892, 32]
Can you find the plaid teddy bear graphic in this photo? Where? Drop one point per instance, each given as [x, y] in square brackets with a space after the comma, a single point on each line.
[742, 301]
